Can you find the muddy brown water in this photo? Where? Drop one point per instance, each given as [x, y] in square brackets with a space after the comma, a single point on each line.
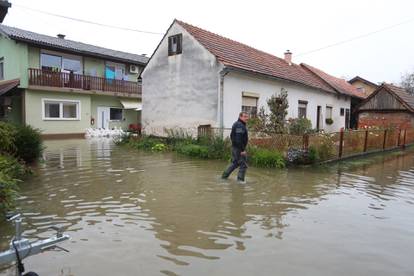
[139, 213]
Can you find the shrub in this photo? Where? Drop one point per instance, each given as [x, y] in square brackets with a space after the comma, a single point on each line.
[159, 147]
[219, 148]
[193, 150]
[328, 121]
[178, 136]
[325, 147]
[300, 126]
[8, 192]
[144, 142]
[28, 143]
[302, 157]
[7, 138]
[11, 167]
[266, 158]
[313, 154]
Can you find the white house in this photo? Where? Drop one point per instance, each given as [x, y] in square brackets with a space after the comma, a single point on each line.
[196, 77]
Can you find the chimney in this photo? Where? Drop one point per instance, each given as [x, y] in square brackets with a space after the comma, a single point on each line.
[288, 57]
[61, 36]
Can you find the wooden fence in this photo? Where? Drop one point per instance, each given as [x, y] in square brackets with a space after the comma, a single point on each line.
[336, 145]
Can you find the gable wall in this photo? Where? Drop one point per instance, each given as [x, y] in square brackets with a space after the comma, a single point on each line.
[383, 100]
[180, 90]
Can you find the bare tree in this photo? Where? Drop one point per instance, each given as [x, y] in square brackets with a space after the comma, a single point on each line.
[407, 82]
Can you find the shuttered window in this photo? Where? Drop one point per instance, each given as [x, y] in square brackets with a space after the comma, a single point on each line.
[329, 112]
[249, 105]
[175, 44]
[302, 107]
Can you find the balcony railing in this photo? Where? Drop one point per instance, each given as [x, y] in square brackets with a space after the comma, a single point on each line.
[39, 77]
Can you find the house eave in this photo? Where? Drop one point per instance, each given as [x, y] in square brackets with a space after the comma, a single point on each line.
[266, 76]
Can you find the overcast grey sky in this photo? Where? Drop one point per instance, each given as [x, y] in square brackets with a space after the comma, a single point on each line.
[271, 26]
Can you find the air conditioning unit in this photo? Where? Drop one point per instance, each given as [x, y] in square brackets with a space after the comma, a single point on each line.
[133, 69]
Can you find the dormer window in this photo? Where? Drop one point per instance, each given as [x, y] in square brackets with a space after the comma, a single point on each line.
[175, 44]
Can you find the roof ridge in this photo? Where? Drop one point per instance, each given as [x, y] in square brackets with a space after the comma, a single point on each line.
[232, 40]
[50, 36]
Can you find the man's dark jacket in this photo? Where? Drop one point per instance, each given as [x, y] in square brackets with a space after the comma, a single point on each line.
[239, 136]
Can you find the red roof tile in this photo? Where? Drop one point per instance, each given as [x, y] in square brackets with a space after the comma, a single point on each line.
[340, 85]
[235, 54]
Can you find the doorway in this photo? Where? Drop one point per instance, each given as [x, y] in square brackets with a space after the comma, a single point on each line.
[103, 117]
[318, 117]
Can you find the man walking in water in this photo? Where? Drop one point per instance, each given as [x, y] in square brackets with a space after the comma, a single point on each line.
[239, 139]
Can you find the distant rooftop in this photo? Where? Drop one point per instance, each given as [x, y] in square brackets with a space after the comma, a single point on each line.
[70, 45]
[4, 7]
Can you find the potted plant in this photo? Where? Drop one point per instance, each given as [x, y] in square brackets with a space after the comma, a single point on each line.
[329, 121]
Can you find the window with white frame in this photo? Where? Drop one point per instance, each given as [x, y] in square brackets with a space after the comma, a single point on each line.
[302, 107]
[1, 68]
[115, 114]
[61, 109]
[249, 105]
[328, 112]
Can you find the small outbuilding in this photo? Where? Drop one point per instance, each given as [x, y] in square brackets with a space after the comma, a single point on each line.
[389, 106]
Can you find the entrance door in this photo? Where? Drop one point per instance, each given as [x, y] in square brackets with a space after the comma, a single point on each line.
[318, 117]
[103, 117]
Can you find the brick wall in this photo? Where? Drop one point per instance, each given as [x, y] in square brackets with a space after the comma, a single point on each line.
[386, 120]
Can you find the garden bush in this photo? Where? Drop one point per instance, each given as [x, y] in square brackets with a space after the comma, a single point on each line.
[8, 192]
[7, 138]
[266, 158]
[299, 126]
[28, 143]
[159, 147]
[302, 157]
[11, 167]
[193, 150]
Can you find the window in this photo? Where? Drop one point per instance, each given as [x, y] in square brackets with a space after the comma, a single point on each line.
[361, 89]
[115, 71]
[1, 68]
[302, 106]
[61, 62]
[342, 112]
[249, 105]
[61, 110]
[175, 44]
[50, 62]
[115, 114]
[329, 112]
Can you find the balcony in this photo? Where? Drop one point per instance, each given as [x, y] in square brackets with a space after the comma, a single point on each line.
[83, 83]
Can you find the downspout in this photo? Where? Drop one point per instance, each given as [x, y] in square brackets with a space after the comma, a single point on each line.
[222, 73]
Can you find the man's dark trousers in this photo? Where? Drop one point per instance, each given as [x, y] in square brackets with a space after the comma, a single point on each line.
[237, 160]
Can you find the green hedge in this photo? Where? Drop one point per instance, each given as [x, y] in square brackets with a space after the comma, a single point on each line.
[266, 158]
[23, 142]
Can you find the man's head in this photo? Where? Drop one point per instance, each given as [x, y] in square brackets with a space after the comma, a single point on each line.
[243, 116]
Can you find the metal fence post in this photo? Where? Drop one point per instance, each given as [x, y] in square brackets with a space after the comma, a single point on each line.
[385, 139]
[341, 142]
[366, 141]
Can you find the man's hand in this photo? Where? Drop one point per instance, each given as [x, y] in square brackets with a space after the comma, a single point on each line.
[243, 153]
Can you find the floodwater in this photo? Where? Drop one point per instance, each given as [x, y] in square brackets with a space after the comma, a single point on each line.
[137, 213]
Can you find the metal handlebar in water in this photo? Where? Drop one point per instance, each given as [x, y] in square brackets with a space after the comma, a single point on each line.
[21, 248]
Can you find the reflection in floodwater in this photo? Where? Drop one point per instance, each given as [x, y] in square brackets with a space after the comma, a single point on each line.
[131, 212]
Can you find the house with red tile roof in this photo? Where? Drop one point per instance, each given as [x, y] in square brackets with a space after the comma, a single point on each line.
[196, 77]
